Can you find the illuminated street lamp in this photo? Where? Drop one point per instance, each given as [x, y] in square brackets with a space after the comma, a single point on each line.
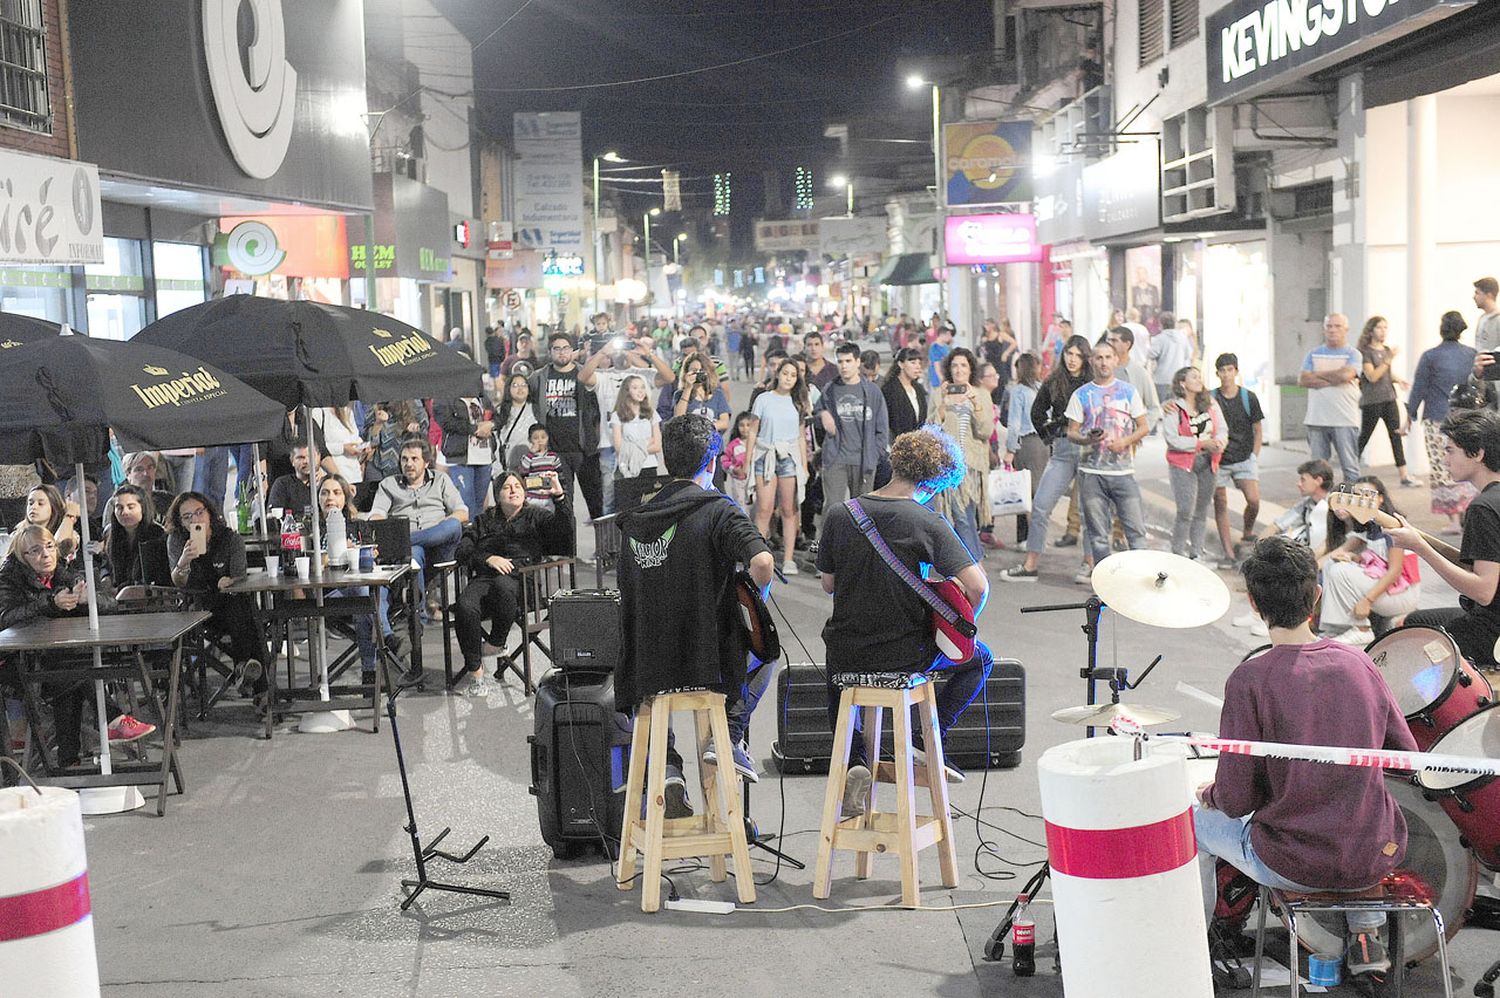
[915, 82]
[609, 157]
[647, 219]
[839, 180]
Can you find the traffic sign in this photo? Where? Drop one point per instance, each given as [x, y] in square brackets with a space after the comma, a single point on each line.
[513, 300]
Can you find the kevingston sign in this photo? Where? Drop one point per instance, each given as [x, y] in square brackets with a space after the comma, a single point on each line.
[1256, 45]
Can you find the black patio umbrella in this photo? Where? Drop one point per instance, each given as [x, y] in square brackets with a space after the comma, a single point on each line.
[312, 354]
[63, 394]
[16, 329]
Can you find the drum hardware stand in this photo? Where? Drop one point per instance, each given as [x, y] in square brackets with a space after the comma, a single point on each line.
[423, 853]
[1117, 678]
[1485, 987]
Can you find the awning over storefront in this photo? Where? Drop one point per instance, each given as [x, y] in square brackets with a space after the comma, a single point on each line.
[906, 269]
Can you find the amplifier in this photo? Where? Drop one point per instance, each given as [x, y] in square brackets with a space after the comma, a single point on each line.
[585, 629]
[979, 740]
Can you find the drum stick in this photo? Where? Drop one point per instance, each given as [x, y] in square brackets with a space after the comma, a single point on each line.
[1371, 758]
[1199, 695]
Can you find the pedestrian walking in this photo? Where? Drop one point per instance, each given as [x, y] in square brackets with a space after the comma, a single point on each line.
[1377, 393]
[1240, 463]
[1440, 369]
[1024, 448]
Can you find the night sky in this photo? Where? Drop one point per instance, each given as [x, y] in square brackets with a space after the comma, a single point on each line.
[764, 114]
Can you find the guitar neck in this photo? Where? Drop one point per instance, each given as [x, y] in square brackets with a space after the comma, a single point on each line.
[1442, 547]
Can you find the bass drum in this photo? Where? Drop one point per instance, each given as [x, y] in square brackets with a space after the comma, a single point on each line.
[1437, 866]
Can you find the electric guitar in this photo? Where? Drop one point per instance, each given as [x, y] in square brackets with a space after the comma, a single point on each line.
[1365, 508]
[760, 629]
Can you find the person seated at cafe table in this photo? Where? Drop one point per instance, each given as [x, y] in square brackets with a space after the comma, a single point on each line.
[45, 506]
[430, 501]
[509, 535]
[135, 551]
[36, 584]
[205, 574]
[293, 492]
[336, 493]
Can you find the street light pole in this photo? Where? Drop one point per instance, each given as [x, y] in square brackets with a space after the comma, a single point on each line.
[647, 219]
[609, 157]
[939, 199]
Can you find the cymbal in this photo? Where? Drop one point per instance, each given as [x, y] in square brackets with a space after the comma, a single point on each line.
[1161, 589]
[1101, 715]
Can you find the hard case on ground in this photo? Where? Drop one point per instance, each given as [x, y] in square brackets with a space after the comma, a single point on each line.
[804, 739]
[578, 752]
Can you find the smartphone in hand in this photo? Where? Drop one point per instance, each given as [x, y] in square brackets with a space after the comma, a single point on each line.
[198, 538]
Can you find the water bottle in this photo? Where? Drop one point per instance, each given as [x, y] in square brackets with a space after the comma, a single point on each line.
[338, 540]
[1023, 939]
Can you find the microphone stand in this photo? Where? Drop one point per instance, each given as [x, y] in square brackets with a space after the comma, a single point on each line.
[423, 853]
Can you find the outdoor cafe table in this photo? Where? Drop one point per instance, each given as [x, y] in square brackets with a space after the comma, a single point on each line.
[131, 633]
[291, 597]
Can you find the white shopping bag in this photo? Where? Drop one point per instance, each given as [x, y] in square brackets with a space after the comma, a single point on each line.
[1010, 492]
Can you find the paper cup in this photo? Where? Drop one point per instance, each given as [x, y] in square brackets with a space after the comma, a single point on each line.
[304, 567]
[351, 559]
[273, 564]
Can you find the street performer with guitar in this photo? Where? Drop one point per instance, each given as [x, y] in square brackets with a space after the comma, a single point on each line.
[871, 555]
[1472, 440]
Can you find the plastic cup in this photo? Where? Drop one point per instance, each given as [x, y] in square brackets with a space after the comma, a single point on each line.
[351, 559]
[273, 564]
[304, 567]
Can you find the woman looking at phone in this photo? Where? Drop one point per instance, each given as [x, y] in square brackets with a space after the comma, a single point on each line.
[206, 557]
[968, 416]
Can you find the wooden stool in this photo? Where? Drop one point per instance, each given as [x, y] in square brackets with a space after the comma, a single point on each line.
[903, 832]
[716, 833]
[1384, 896]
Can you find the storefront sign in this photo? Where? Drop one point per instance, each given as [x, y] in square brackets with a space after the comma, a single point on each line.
[412, 234]
[1122, 193]
[1059, 203]
[290, 245]
[549, 181]
[49, 211]
[970, 239]
[265, 99]
[839, 237]
[786, 237]
[1256, 45]
[987, 162]
[501, 244]
[562, 265]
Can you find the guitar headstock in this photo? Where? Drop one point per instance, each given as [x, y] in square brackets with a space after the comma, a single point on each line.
[1361, 506]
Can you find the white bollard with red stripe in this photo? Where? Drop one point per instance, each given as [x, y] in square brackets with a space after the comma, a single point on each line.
[1125, 883]
[46, 929]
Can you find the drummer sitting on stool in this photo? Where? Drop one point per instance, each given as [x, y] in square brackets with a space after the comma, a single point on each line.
[1299, 826]
[1473, 456]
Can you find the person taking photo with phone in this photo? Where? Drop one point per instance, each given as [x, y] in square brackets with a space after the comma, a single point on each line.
[968, 416]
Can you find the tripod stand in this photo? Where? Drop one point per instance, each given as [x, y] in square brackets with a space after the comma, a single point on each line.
[423, 853]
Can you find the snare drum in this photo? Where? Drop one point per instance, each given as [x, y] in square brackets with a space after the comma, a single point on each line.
[1472, 800]
[1434, 685]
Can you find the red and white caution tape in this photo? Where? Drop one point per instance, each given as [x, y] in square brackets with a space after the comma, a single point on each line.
[1372, 758]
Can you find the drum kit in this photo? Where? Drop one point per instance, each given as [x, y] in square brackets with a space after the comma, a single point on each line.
[1449, 707]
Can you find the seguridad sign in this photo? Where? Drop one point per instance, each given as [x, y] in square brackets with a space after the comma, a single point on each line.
[1256, 45]
[975, 239]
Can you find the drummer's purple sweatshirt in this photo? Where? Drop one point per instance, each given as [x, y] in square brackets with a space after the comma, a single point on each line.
[1315, 824]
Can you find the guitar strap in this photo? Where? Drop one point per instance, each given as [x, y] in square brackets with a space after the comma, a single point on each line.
[939, 605]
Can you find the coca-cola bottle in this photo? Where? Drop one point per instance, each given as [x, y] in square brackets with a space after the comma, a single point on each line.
[1023, 939]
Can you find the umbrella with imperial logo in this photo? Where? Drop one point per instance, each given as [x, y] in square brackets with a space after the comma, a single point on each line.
[17, 329]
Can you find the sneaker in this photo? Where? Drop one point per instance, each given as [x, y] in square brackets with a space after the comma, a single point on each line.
[479, 686]
[127, 729]
[1018, 573]
[1357, 636]
[250, 674]
[678, 805]
[1365, 954]
[1066, 541]
[789, 567]
[950, 772]
[856, 791]
[743, 764]
[1226, 564]
[1084, 576]
[1411, 483]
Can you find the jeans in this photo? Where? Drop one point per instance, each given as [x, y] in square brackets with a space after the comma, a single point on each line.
[1326, 440]
[472, 482]
[436, 543]
[609, 460]
[961, 684]
[966, 525]
[1097, 494]
[1194, 492]
[1056, 482]
[585, 469]
[840, 482]
[364, 626]
[1222, 837]
[211, 475]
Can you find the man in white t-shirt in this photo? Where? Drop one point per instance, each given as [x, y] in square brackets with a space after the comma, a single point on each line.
[1487, 326]
[638, 357]
[1330, 373]
[1106, 419]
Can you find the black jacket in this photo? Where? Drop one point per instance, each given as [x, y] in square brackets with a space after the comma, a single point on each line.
[23, 598]
[525, 539]
[898, 408]
[458, 425]
[1050, 405]
[679, 619]
[138, 560]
